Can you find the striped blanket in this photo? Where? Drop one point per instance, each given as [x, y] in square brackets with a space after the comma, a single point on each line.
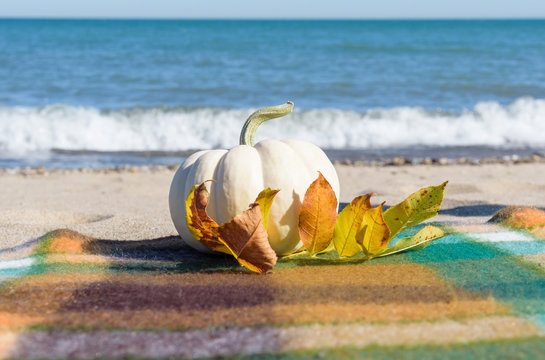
[478, 292]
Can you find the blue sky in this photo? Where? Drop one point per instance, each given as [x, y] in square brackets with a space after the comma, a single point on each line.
[274, 9]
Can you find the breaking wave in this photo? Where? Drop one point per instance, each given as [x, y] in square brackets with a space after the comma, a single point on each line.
[31, 129]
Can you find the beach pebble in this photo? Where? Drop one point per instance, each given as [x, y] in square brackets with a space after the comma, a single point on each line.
[396, 161]
[400, 160]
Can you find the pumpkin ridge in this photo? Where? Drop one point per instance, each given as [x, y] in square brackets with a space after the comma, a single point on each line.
[213, 188]
[262, 172]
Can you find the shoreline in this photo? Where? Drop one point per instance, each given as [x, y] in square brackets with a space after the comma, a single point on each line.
[390, 156]
[398, 161]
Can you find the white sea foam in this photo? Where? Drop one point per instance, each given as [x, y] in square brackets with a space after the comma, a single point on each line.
[26, 129]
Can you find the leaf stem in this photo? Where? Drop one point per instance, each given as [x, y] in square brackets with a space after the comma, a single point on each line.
[259, 117]
[299, 252]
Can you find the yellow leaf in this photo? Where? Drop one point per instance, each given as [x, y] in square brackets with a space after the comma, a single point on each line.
[419, 206]
[246, 237]
[265, 200]
[201, 226]
[317, 215]
[417, 242]
[375, 234]
[348, 224]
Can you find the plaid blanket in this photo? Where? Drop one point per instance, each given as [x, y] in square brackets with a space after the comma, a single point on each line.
[479, 292]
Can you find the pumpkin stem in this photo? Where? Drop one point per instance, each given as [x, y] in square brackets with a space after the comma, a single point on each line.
[259, 117]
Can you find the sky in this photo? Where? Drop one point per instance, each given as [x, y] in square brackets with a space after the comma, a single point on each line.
[277, 9]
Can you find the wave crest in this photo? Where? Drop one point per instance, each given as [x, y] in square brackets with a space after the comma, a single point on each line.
[31, 129]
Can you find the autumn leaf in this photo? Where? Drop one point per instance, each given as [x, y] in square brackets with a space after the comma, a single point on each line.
[348, 224]
[417, 242]
[265, 200]
[317, 215]
[201, 226]
[375, 233]
[419, 206]
[246, 237]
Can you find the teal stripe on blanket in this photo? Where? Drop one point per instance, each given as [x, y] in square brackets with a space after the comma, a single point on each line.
[495, 269]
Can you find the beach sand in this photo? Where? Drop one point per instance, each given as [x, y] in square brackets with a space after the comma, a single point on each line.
[133, 205]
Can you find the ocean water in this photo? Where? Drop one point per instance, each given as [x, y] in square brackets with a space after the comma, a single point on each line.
[111, 92]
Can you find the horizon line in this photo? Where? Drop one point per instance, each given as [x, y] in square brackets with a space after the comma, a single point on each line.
[2, 17]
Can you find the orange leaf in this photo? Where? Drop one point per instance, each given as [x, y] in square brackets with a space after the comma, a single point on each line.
[375, 233]
[246, 237]
[201, 226]
[317, 216]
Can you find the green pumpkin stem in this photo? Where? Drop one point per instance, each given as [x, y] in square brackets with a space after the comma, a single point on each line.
[259, 117]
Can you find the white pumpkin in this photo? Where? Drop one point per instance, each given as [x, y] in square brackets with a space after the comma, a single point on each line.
[242, 172]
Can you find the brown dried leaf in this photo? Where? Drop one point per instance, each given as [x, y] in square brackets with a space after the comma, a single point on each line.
[246, 237]
[318, 215]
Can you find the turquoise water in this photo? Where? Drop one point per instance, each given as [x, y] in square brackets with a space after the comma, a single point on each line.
[144, 85]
